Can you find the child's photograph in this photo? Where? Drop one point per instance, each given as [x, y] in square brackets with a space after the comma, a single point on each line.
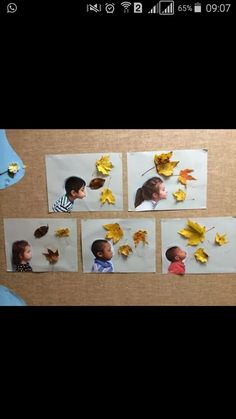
[167, 180]
[41, 245]
[84, 182]
[118, 245]
[198, 245]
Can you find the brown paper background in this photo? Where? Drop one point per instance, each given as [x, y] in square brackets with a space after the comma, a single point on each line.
[28, 198]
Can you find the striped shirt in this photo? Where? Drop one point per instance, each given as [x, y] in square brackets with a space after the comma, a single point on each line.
[63, 204]
[102, 266]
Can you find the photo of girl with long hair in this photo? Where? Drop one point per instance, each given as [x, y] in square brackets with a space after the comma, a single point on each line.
[21, 256]
[148, 196]
[183, 173]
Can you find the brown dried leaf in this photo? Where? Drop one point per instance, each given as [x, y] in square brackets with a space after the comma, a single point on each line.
[96, 183]
[51, 256]
[41, 231]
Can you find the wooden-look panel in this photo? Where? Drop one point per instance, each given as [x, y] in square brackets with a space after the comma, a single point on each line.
[28, 198]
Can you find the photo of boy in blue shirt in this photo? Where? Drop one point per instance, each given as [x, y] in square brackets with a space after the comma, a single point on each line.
[102, 251]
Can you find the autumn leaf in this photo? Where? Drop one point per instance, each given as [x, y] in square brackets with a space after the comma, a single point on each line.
[51, 256]
[13, 168]
[139, 236]
[163, 164]
[107, 195]
[125, 250]
[96, 183]
[115, 232]
[180, 195]
[221, 239]
[166, 169]
[184, 176]
[62, 232]
[163, 158]
[104, 165]
[194, 232]
[201, 255]
[41, 231]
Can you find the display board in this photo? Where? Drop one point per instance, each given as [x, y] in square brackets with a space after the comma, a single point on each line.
[29, 199]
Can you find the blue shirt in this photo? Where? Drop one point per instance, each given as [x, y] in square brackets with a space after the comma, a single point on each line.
[102, 266]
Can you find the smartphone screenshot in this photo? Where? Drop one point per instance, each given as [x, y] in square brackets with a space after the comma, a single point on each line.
[117, 153]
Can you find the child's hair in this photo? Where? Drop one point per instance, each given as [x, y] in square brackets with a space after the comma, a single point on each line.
[18, 249]
[74, 183]
[97, 246]
[150, 187]
[171, 253]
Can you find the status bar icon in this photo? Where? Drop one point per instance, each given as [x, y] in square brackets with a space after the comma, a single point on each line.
[197, 7]
[166, 8]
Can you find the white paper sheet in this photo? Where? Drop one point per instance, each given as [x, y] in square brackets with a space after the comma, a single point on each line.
[196, 190]
[23, 229]
[143, 258]
[61, 166]
[221, 258]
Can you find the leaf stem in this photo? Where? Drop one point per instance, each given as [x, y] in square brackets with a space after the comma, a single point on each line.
[148, 170]
[209, 229]
[109, 182]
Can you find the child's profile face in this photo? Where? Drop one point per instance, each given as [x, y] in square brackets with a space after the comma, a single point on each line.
[80, 194]
[27, 255]
[106, 252]
[162, 194]
[162, 191]
[180, 254]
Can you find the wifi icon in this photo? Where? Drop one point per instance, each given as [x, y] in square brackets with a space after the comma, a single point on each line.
[126, 5]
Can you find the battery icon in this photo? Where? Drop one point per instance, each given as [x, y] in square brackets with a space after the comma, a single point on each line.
[197, 8]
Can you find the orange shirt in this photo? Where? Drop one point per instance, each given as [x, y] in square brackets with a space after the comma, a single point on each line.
[177, 267]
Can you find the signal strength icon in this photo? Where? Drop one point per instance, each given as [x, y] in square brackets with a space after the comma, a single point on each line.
[166, 7]
[126, 5]
[154, 9]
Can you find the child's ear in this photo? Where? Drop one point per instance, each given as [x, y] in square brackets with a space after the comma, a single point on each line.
[72, 192]
[99, 254]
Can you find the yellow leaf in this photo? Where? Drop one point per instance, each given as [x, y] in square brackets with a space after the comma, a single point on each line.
[184, 176]
[140, 235]
[107, 195]
[13, 168]
[162, 158]
[194, 232]
[115, 232]
[125, 250]
[201, 255]
[221, 239]
[104, 165]
[163, 164]
[180, 195]
[62, 232]
[166, 169]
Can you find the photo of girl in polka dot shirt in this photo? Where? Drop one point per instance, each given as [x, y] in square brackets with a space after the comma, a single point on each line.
[21, 255]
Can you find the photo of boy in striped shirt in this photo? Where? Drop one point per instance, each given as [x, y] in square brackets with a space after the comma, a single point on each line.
[75, 189]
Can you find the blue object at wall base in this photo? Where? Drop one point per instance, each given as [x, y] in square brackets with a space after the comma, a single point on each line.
[9, 298]
[8, 156]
